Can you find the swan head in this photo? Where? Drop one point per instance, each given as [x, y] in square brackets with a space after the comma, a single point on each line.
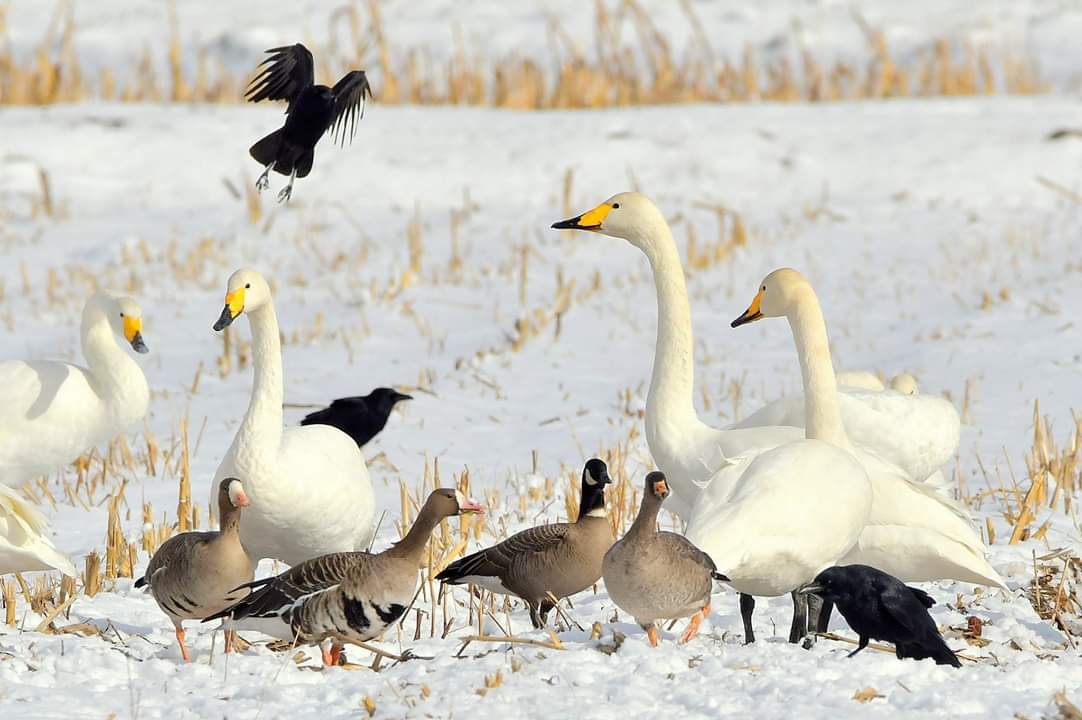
[777, 294]
[657, 486]
[905, 383]
[124, 315]
[625, 215]
[246, 291]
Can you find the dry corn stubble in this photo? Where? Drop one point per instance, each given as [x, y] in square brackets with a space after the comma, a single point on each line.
[632, 63]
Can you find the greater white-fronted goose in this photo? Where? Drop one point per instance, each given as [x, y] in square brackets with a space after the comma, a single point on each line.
[560, 558]
[655, 575]
[195, 574]
[345, 597]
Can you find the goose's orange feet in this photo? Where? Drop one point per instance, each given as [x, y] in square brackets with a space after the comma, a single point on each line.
[651, 632]
[693, 626]
[180, 641]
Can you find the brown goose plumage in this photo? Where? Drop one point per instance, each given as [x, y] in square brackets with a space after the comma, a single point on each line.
[659, 575]
[345, 597]
[560, 558]
[195, 574]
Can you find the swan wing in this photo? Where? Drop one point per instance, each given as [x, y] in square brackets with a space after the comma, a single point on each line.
[919, 433]
[23, 543]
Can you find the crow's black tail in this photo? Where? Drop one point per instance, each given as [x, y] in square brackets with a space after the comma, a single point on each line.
[934, 648]
[266, 150]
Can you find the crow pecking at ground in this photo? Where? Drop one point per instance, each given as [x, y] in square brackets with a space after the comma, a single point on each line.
[362, 418]
[313, 110]
[880, 606]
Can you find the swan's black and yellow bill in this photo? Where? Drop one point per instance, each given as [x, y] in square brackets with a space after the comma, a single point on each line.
[234, 306]
[133, 333]
[590, 220]
[752, 313]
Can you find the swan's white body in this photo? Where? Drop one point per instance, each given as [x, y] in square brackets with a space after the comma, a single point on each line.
[52, 412]
[918, 433]
[790, 513]
[308, 486]
[912, 532]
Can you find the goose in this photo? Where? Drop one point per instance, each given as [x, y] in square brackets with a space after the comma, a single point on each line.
[656, 575]
[308, 486]
[55, 411]
[560, 559]
[913, 532]
[685, 448]
[196, 574]
[361, 417]
[349, 597]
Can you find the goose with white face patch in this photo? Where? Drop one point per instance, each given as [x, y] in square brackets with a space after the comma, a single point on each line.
[195, 574]
[656, 575]
[346, 597]
[559, 558]
[913, 532]
[309, 487]
[55, 411]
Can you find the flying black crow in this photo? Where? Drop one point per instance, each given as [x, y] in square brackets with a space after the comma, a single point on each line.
[313, 110]
[880, 606]
[362, 417]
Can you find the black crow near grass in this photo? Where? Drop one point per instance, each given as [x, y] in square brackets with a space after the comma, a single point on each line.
[880, 606]
[289, 74]
[362, 417]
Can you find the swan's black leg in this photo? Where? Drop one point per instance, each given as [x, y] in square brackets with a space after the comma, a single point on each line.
[747, 607]
[824, 616]
[800, 617]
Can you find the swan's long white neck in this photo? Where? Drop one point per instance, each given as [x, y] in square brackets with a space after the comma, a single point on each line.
[115, 373]
[670, 408]
[261, 429]
[822, 416]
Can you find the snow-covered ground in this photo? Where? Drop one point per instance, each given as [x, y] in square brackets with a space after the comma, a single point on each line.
[932, 243]
[904, 214]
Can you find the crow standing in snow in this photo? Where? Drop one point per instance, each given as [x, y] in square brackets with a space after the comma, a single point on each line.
[313, 110]
[880, 606]
[362, 418]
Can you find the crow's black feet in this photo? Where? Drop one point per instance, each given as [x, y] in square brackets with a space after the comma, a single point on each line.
[262, 183]
[285, 194]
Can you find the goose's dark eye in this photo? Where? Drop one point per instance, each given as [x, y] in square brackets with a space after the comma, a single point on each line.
[247, 286]
[615, 206]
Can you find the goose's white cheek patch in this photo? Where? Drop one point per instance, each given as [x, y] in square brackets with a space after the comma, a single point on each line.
[237, 495]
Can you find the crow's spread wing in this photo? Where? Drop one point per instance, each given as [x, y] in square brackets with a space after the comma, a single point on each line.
[349, 95]
[285, 73]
